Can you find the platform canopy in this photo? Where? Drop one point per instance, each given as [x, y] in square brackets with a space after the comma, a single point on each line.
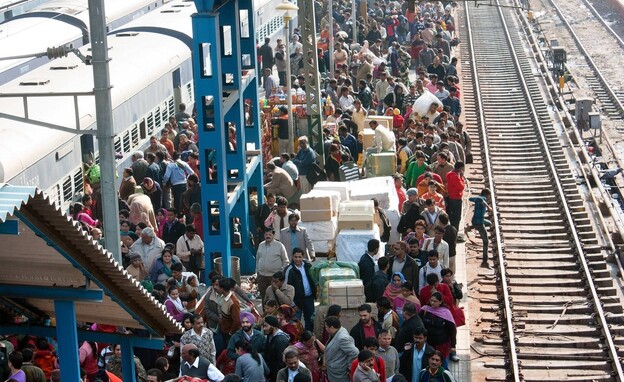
[42, 249]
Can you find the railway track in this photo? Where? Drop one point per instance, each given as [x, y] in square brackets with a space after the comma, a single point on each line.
[550, 312]
[593, 48]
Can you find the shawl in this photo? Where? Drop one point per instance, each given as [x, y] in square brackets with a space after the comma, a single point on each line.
[441, 312]
[393, 291]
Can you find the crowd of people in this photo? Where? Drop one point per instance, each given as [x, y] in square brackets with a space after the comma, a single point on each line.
[399, 54]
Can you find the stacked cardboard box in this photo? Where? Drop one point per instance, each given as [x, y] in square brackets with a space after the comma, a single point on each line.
[356, 215]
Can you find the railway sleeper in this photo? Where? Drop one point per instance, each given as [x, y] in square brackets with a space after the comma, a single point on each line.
[579, 308]
[538, 376]
[551, 318]
[548, 342]
[520, 290]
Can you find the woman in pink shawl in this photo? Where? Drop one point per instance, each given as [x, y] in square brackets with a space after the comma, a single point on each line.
[440, 325]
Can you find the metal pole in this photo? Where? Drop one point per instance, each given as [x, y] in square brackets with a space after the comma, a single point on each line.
[105, 136]
[330, 47]
[291, 123]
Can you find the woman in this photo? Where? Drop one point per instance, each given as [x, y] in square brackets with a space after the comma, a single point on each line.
[114, 365]
[440, 326]
[162, 364]
[250, 365]
[86, 222]
[433, 285]
[174, 305]
[161, 219]
[88, 359]
[309, 348]
[289, 324]
[435, 371]
[447, 278]
[161, 270]
[202, 338]
[393, 290]
[334, 161]
[407, 292]
[270, 308]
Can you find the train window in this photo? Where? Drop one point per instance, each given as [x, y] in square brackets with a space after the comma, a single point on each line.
[206, 63]
[78, 181]
[244, 23]
[170, 107]
[54, 194]
[150, 125]
[163, 115]
[67, 189]
[226, 40]
[142, 127]
[126, 142]
[246, 60]
[156, 122]
[118, 148]
[134, 133]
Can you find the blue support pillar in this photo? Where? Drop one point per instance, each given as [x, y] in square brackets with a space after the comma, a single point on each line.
[213, 141]
[127, 359]
[67, 335]
[221, 93]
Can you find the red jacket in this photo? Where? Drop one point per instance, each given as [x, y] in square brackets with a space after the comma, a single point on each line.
[455, 185]
[379, 367]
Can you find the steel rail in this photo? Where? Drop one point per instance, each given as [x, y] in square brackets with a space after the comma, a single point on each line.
[577, 245]
[604, 22]
[610, 92]
[498, 241]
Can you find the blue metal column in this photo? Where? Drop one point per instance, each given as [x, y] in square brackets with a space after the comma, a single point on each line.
[127, 359]
[67, 335]
[213, 141]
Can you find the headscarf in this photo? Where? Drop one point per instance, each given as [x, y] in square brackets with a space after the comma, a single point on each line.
[392, 291]
[250, 317]
[441, 311]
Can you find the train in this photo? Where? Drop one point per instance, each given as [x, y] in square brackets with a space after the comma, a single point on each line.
[150, 72]
[58, 23]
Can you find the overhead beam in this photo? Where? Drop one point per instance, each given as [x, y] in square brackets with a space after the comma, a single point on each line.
[86, 335]
[51, 293]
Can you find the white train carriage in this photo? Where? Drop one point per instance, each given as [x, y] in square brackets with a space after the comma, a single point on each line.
[56, 23]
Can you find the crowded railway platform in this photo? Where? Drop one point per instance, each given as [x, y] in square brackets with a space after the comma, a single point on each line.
[367, 247]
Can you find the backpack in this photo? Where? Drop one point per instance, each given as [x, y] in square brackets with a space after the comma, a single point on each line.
[315, 174]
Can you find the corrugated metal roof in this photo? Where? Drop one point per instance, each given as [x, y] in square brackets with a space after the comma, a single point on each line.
[52, 250]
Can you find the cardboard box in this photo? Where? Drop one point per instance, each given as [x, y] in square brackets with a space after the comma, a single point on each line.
[333, 273]
[356, 215]
[381, 164]
[334, 195]
[346, 293]
[351, 244]
[368, 138]
[316, 202]
[348, 318]
[341, 187]
[316, 215]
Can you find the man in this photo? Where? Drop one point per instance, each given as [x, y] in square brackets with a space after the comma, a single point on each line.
[441, 91]
[411, 322]
[278, 218]
[437, 68]
[442, 167]
[299, 276]
[287, 165]
[281, 182]
[433, 194]
[176, 173]
[435, 371]
[432, 266]
[376, 288]
[346, 100]
[190, 250]
[173, 229]
[153, 170]
[455, 184]
[479, 222]
[384, 140]
[416, 355]
[281, 62]
[15, 366]
[340, 351]
[403, 156]
[362, 103]
[33, 373]
[400, 262]
[366, 327]
[154, 147]
[194, 365]
[348, 140]
[411, 212]
[139, 166]
[295, 236]
[293, 366]
[303, 160]
[450, 237]
[453, 102]
[276, 343]
[280, 291]
[283, 133]
[269, 82]
[381, 220]
[201, 337]
[368, 265]
[266, 54]
[365, 369]
[246, 333]
[270, 258]
[128, 184]
[381, 89]
[389, 354]
[431, 215]
[152, 189]
[150, 247]
[155, 375]
[181, 116]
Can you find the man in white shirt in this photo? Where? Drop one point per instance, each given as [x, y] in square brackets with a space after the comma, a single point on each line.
[346, 100]
[190, 247]
[271, 257]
